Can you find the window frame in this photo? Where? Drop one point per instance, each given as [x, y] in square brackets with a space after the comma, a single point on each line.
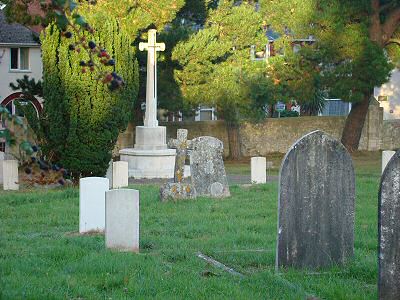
[19, 60]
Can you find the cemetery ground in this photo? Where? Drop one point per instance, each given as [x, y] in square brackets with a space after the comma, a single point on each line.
[43, 257]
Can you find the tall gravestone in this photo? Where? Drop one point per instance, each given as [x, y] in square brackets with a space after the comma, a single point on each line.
[92, 203]
[207, 167]
[316, 204]
[389, 231]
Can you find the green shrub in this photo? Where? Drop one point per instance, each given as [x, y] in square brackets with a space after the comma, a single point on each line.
[82, 118]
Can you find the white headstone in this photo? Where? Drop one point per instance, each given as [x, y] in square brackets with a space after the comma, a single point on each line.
[92, 203]
[258, 170]
[386, 156]
[122, 220]
[120, 174]
[10, 175]
[109, 174]
[186, 172]
[1, 166]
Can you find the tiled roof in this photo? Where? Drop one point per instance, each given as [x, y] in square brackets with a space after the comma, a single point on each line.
[15, 33]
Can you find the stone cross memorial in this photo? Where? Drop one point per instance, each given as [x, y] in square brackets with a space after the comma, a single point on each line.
[207, 167]
[152, 47]
[150, 158]
[122, 220]
[181, 144]
[178, 189]
[316, 204]
[92, 203]
[389, 231]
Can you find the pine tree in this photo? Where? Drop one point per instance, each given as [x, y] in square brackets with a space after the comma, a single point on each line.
[215, 67]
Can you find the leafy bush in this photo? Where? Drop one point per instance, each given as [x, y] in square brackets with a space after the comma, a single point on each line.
[81, 117]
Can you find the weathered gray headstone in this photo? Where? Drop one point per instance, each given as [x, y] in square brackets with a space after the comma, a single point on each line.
[179, 189]
[207, 167]
[122, 220]
[316, 204]
[389, 231]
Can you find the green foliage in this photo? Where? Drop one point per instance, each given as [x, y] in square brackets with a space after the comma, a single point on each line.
[214, 64]
[288, 114]
[81, 118]
[29, 87]
[343, 61]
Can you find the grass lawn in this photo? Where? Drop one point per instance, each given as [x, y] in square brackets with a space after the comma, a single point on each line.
[43, 257]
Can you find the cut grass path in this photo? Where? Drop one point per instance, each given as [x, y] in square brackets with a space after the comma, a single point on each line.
[42, 257]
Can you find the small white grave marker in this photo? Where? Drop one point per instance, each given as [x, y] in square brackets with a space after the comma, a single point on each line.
[120, 174]
[258, 170]
[386, 156]
[10, 175]
[92, 203]
[122, 220]
[109, 173]
[1, 166]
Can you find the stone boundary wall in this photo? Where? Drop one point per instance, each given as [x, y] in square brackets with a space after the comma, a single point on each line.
[277, 135]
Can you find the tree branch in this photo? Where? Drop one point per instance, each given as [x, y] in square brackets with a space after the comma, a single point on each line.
[391, 24]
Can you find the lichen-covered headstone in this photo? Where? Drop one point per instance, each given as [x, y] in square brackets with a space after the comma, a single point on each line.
[316, 204]
[389, 231]
[207, 167]
[179, 189]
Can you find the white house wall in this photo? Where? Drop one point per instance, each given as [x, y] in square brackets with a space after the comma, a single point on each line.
[391, 108]
[7, 76]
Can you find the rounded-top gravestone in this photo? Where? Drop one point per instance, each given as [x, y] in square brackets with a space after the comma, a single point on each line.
[207, 167]
[389, 231]
[316, 204]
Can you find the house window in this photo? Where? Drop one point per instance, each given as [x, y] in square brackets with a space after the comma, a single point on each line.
[336, 107]
[19, 59]
[2, 146]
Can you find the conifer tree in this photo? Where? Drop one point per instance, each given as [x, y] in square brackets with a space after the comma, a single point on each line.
[215, 67]
[82, 118]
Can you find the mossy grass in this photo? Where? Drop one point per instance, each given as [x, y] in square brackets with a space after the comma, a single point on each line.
[43, 257]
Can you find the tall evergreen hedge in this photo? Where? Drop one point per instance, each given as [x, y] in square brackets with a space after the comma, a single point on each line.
[82, 119]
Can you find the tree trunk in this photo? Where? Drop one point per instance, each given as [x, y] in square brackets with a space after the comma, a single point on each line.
[233, 140]
[354, 124]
